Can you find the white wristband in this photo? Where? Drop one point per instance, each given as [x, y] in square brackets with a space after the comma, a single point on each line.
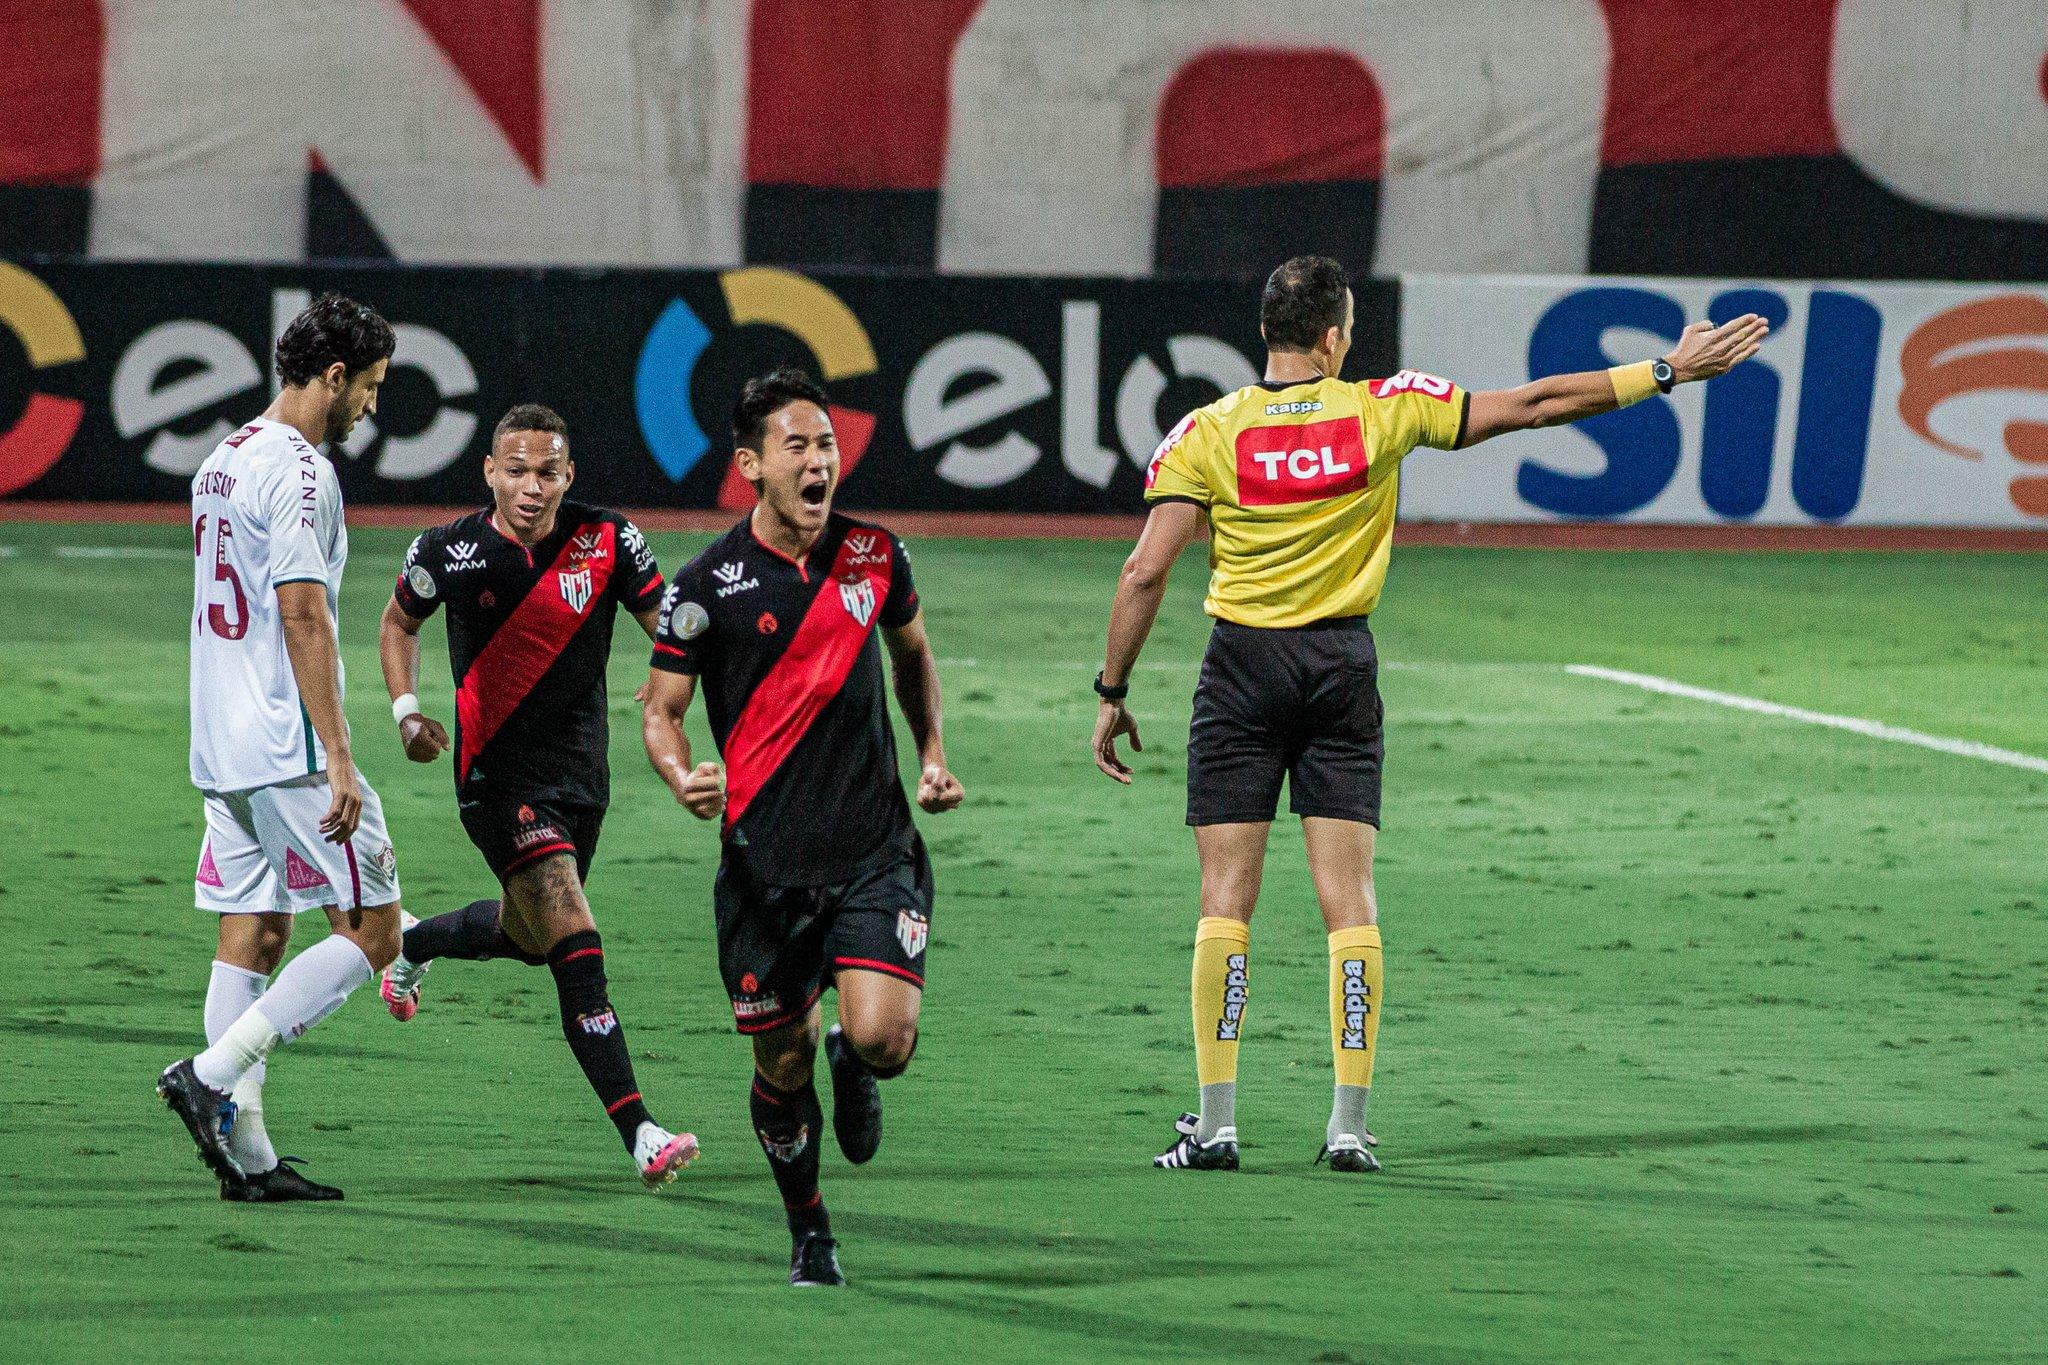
[407, 705]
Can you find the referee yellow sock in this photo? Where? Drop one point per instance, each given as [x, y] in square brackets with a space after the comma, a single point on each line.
[1221, 982]
[1355, 981]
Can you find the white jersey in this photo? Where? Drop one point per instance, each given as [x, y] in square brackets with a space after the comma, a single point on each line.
[266, 510]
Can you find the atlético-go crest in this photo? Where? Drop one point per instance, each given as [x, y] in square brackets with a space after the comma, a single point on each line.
[859, 598]
[575, 588]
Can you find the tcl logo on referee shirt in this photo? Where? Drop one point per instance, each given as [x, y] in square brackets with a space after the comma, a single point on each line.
[1300, 463]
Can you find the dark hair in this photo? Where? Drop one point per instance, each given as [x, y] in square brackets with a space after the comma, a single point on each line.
[334, 328]
[762, 398]
[1304, 298]
[531, 417]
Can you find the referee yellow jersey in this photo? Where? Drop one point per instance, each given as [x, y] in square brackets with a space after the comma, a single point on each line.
[1300, 482]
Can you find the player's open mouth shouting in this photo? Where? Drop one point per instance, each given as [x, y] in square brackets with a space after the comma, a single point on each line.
[816, 489]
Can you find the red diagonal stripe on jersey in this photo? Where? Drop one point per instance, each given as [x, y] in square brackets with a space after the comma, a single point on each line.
[808, 675]
[527, 645]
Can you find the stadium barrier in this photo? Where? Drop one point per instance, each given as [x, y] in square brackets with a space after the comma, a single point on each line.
[1871, 405]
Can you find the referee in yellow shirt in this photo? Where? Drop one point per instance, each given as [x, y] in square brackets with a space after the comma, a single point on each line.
[1296, 477]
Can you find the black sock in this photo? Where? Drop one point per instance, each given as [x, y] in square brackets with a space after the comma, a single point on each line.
[473, 933]
[788, 1123]
[594, 1032]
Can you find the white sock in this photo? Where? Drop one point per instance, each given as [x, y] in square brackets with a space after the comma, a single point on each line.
[241, 1046]
[248, 1140]
[313, 985]
[229, 994]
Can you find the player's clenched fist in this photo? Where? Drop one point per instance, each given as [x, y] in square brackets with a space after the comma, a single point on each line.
[703, 793]
[938, 789]
[423, 737]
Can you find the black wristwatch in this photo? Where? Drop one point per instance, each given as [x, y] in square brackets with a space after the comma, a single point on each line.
[1108, 693]
[1661, 371]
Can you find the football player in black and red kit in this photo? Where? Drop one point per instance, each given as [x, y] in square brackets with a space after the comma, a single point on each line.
[822, 878]
[532, 585]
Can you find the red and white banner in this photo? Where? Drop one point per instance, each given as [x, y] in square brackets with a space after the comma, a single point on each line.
[1829, 138]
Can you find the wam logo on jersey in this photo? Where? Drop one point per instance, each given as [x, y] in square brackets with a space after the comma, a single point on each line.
[462, 555]
[913, 928]
[859, 599]
[862, 548]
[575, 589]
[729, 573]
[589, 545]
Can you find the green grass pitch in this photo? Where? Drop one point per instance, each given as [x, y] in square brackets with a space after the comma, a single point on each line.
[1709, 1034]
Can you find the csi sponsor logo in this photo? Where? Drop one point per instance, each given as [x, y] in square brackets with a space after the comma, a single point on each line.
[731, 576]
[576, 588]
[1300, 463]
[1357, 1004]
[600, 1025]
[636, 545]
[1236, 990]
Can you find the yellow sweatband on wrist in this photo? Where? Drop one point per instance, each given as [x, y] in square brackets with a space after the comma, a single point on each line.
[1632, 383]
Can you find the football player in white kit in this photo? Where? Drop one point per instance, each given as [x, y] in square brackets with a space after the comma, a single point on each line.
[290, 824]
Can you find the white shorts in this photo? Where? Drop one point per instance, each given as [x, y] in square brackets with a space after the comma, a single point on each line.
[264, 852]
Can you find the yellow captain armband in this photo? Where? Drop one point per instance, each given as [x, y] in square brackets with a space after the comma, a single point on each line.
[1632, 383]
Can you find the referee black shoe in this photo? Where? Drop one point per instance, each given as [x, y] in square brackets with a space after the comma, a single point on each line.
[200, 1106]
[856, 1099]
[280, 1184]
[1348, 1154]
[1218, 1154]
[814, 1262]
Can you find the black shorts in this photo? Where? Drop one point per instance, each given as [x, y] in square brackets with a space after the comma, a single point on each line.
[777, 945]
[514, 833]
[1303, 703]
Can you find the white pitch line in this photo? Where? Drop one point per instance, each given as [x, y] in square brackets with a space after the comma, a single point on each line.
[1962, 748]
[117, 552]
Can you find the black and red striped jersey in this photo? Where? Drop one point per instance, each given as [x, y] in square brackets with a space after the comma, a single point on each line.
[792, 680]
[529, 635]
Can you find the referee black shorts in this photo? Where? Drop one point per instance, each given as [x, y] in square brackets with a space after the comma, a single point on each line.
[1303, 703]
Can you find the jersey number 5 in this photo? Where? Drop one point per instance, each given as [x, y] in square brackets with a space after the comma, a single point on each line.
[217, 616]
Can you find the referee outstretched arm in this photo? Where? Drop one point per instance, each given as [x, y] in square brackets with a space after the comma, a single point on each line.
[1296, 478]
